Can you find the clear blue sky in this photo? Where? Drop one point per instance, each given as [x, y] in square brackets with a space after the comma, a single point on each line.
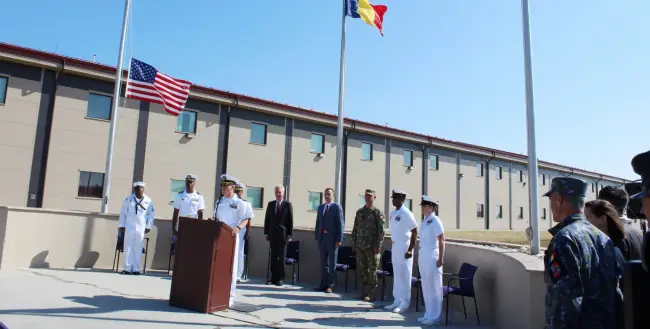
[448, 68]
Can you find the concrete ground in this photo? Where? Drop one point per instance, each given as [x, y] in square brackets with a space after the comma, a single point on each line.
[48, 298]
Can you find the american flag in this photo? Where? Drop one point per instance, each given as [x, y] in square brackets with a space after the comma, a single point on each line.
[148, 84]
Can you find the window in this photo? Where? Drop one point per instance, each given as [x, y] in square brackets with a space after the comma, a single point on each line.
[255, 196]
[479, 210]
[593, 187]
[178, 185]
[479, 169]
[317, 143]
[544, 213]
[186, 122]
[4, 81]
[258, 133]
[408, 203]
[366, 151]
[521, 213]
[542, 179]
[499, 211]
[520, 179]
[99, 106]
[498, 170]
[408, 158]
[91, 185]
[433, 162]
[362, 200]
[600, 187]
[315, 199]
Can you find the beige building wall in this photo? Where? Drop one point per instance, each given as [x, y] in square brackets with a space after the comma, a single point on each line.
[442, 185]
[79, 144]
[253, 164]
[520, 198]
[472, 192]
[405, 179]
[309, 172]
[499, 196]
[364, 174]
[170, 155]
[19, 115]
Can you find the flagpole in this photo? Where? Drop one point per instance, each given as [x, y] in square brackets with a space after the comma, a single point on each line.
[339, 130]
[114, 117]
[530, 124]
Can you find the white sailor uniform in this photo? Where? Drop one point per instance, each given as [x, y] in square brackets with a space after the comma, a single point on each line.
[431, 276]
[136, 216]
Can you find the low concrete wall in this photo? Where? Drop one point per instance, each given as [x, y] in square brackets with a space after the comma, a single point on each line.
[509, 284]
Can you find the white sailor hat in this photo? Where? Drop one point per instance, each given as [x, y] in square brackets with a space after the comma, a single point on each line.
[190, 177]
[141, 184]
[398, 193]
[240, 186]
[228, 180]
[428, 201]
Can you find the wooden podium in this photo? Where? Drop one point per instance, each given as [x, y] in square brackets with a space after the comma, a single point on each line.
[203, 266]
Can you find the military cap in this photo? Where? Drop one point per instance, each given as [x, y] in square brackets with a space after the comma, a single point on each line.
[568, 186]
[239, 186]
[228, 180]
[139, 184]
[190, 178]
[370, 192]
[641, 166]
[398, 193]
[428, 201]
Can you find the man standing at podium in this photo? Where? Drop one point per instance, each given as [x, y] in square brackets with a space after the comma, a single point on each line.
[232, 211]
[243, 234]
[136, 219]
[188, 203]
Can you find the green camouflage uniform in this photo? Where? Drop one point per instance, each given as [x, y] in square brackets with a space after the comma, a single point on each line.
[367, 237]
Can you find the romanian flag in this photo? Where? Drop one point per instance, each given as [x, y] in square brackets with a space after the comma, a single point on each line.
[371, 14]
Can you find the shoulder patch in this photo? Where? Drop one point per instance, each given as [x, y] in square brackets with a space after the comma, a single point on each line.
[198, 193]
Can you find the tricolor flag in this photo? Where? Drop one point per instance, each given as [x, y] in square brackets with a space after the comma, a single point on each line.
[148, 84]
[371, 14]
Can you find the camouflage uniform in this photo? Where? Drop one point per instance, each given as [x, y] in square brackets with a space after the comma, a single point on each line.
[581, 270]
[367, 237]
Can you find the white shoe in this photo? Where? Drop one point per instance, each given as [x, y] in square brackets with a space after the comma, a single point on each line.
[401, 308]
[422, 319]
[392, 306]
[429, 322]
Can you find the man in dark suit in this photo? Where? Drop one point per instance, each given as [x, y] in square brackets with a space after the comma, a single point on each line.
[278, 228]
[329, 234]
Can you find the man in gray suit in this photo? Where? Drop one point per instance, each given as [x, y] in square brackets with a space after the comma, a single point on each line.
[329, 234]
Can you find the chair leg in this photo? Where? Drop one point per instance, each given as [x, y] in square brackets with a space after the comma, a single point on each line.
[356, 279]
[114, 258]
[293, 274]
[146, 251]
[464, 308]
[383, 287]
[346, 281]
[478, 322]
[447, 312]
[298, 271]
[268, 268]
[417, 298]
[169, 265]
[117, 265]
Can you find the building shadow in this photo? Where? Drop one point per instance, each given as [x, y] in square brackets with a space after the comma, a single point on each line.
[302, 298]
[87, 260]
[38, 261]
[104, 304]
[268, 288]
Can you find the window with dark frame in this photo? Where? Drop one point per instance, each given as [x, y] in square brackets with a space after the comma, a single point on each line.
[91, 185]
[521, 213]
[498, 170]
[317, 143]
[499, 211]
[542, 179]
[255, 195]
[99, 106]
[479, 169]
[315, 200]
[366, 151]
[520, 179]
[479, 210]
[544, 213]
[408, 158]
[177, 186]
[258, 133]
[409, 204]
[186, 122]
[434, 163]
[4, 85]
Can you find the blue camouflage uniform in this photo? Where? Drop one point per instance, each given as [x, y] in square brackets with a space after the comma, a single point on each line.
[581, 270]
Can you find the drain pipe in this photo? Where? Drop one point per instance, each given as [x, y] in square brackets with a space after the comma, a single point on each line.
[344, 166]
[487, 190]
[596, 187]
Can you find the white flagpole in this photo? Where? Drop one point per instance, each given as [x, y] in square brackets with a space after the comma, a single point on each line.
[530, 124]
[116, 101]
[339, 130]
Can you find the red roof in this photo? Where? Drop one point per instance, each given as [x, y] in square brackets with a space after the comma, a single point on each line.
[33, 53]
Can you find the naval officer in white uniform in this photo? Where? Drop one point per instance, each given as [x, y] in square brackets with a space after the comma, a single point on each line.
[232, 211]
[243, 234]
[188, 203]
[136, 220]
[430, 260]
[404, 231]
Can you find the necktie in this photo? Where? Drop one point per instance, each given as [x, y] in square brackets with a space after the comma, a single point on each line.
[277, 208]
[322, 224]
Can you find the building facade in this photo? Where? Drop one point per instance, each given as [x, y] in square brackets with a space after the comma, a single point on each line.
[54, 131]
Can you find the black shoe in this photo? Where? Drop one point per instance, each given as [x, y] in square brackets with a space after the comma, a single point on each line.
[136, 273]
[126, 272]
[279, 283]
[320, 289]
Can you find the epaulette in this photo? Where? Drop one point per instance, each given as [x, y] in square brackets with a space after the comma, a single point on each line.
[198, 193]
[181, 192]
